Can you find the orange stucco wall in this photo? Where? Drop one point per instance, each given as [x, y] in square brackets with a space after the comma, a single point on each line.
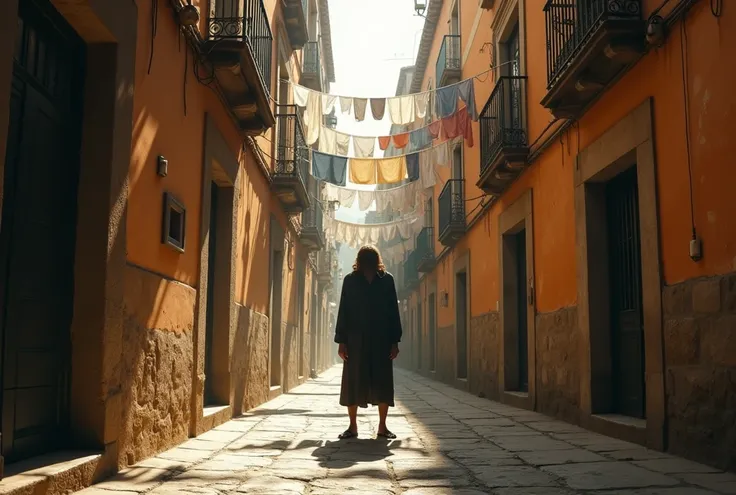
[551, 176]
[162, 128]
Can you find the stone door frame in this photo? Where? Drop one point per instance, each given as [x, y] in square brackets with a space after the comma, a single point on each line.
[629, 142]
[517, 216]
[220, 166]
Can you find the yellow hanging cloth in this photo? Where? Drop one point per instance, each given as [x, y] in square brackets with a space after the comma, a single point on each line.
[363, 171]
[391, 170]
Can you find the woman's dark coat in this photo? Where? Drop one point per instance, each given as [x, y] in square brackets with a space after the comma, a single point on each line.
[368, 323]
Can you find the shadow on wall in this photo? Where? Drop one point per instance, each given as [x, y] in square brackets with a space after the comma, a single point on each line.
[249, 360]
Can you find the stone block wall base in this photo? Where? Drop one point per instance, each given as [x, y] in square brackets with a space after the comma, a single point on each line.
[52, 474]
[700, 369]
[212, 417]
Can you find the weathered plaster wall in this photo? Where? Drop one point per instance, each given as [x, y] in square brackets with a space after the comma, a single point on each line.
[156, 374]
[484, 361]
[557, 385]
[700, 356]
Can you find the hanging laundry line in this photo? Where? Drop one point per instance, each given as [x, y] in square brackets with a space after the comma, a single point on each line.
[404, 110]
[355, 234]
[334, 142]
[389, 170]
[428, 91]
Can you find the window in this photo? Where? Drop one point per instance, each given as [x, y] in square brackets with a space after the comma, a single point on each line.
[174, 223]
[457, 162]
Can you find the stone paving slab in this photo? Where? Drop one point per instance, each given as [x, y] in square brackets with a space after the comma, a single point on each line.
[449, 442]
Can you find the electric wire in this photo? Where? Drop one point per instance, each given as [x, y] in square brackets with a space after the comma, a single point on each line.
[154, 31]
[686, 99]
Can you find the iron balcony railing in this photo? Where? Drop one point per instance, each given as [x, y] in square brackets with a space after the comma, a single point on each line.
[570, 24]
[449, 57]
[245, 20]
[502, 119]
[312, 218]
[451, 205]
[324, 262]
[292, 154]
[311, 63]
[425, 244]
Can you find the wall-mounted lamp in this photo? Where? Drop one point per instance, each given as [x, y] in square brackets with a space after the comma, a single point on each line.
[189, 15]
[162, 166]
[420, 7]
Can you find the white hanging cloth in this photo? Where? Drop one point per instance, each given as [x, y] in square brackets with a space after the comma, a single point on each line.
[346, 104]
[364, 146]
[313, 118]
[421, 101]
[402, 109]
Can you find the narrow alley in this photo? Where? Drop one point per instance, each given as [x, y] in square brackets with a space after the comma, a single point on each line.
[448, 442]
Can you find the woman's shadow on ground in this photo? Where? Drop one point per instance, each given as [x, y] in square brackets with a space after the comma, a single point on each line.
[343, 454]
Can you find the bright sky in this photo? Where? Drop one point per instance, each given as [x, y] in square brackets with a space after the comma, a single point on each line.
[371, 41]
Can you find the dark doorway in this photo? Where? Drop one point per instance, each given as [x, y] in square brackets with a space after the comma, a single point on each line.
[420, 343]
[521, 309]
[38, 235]
[461, 308]
[431, 322]
[277, 263]
[627, 333]
[209, 383]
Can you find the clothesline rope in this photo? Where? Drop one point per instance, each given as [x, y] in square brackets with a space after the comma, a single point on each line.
[476, 76]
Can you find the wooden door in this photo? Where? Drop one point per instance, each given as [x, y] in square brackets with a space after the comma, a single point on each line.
[38, 231]
[627, 342]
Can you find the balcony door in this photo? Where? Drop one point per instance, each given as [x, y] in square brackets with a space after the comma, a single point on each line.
[513, 56]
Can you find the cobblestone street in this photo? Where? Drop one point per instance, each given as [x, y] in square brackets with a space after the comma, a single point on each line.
[448, 442]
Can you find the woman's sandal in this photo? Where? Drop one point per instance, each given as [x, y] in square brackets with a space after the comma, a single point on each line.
[386, 434]
[347, 434]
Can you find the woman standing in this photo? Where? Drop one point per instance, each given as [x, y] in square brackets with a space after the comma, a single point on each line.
[368, 332]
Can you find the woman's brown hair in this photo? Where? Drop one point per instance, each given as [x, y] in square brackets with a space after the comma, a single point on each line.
[368, 257]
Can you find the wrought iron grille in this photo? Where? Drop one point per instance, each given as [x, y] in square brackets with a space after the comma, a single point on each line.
[570, 24]
[292, 155]
[311, 59]
[312, 218]
[425, 244]
[502, 119]
[449, 57]
[324, 262]
[451, 203]
[245, 20]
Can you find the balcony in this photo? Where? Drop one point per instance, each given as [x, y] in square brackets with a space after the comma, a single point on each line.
[295, 18]
[503, 137]
[411, 274]
[291, 168]
[325, 272]
[448, 61]
[311, 66]
[451, 206]
[425, 250]
[312, 232]
[589, 43]
[239, 46]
